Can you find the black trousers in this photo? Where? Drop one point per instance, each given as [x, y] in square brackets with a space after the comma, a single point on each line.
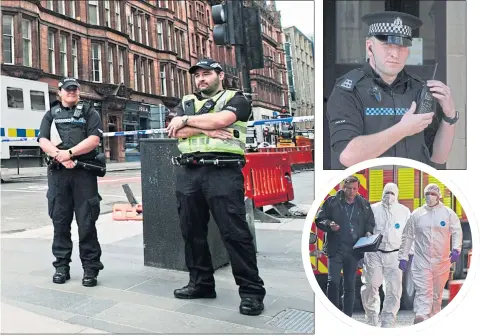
[344, 259]
[69, 191]
[219, 190]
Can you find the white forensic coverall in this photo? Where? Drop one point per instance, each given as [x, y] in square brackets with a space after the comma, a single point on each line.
[429, 229]
[382, 267]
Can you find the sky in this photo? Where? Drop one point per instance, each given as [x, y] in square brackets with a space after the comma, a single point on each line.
[297, 13]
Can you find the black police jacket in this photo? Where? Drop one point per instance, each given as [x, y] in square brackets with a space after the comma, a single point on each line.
[332, 210]
[361, 103]
[72, 128]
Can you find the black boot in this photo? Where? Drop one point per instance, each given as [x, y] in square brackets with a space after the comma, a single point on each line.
[190, 292]
[89, 278]
[251, 306]
[61, 275]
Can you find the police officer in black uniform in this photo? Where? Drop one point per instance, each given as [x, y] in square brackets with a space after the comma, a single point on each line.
[371, 110]
[205, 184]
[72, 190]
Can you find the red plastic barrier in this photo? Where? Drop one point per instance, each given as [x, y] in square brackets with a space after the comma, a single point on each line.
[297, 155]
[268, 178]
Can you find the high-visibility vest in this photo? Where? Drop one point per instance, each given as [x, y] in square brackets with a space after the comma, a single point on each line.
[205, 144]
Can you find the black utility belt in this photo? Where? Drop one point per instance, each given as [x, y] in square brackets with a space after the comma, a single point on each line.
[198, 161]
[388, 251]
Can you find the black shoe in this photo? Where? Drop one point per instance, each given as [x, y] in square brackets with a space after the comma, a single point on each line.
[189, 292]
[90, 278]
[251, 306]
[61, 276]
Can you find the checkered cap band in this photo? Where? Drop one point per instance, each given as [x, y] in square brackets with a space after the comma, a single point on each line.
[385, 28]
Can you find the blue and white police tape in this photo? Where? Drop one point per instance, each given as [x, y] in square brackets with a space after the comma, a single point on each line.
[15, 139]
[279, 120]
[105, 134]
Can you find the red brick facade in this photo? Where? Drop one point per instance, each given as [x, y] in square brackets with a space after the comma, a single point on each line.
[148, 45]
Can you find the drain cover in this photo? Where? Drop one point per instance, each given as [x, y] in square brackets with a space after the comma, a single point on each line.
[294, 320]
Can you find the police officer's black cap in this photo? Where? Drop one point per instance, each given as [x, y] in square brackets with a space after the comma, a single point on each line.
[392, 27]
[68, 81]
[207, 64]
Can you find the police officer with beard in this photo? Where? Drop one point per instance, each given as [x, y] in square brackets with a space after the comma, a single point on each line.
[72, 190]
[211, 127]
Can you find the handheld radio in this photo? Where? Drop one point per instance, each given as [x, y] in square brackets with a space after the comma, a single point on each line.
[425, 105]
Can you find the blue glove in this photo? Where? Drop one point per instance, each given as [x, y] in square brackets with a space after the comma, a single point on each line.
[454, 256]
[403, 265]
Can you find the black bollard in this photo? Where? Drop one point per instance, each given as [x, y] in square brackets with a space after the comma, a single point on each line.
[162, 238]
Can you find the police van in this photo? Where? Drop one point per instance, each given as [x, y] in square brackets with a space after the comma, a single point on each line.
[23, 106]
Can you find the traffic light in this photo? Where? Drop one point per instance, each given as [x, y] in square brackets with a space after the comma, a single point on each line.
[228, 26]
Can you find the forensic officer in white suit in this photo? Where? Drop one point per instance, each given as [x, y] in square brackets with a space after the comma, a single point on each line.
[429, 229]
[382, 266]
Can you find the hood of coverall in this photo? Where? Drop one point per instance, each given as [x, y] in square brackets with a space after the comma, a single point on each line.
[389, 200]
[432, 200]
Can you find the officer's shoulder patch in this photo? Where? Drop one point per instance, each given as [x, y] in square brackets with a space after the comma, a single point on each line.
[350, 79]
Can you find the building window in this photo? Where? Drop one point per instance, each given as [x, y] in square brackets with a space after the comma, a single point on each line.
[120, 65]
[51, 52]
[50, 4]
[8, 40]
[110, 64]
[163, 79]
[135, 78]
[73, 11]
[27, 42]
[139, 27]
[149, 79]
[93, 12]
[118, 17]
[182, 44]
[142, 74]
[96, 62]
[107, 13]
[172, 80]
[75, 57]
[130, 24]
[61, 6]
[147, 24]
[169, 36]
[63, 56]
[160, 35]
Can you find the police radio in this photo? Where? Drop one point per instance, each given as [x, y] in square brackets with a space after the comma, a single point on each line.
[426, 102]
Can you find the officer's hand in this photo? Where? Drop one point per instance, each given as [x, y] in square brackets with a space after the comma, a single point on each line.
[412, 123]
[219, 134]
[444, 96]
[368, 234]
[334, 226]
[68, 164]
[175, 124]
[63, 155]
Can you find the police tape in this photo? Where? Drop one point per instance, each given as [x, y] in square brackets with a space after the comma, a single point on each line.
[164, 130]
[105, 134]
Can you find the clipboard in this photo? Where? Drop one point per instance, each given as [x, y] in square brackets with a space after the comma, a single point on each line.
[368, 244]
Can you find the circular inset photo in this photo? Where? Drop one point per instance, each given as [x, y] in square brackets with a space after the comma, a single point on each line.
[389, 246]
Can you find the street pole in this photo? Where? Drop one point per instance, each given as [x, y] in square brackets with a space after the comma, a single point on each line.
[241, 59]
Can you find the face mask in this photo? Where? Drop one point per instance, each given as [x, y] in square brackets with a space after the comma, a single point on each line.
[431, 200]
[388, 199]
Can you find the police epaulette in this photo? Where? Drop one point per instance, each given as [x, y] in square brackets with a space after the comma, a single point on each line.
[350, 79]
[416, 77]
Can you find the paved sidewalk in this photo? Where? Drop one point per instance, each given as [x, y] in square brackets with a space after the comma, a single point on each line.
[9, 174]
[21, 321]
[132, 298]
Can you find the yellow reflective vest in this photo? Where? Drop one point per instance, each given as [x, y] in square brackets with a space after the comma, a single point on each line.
[204, 144]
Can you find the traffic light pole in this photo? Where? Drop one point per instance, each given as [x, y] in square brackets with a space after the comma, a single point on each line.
[240, 58]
